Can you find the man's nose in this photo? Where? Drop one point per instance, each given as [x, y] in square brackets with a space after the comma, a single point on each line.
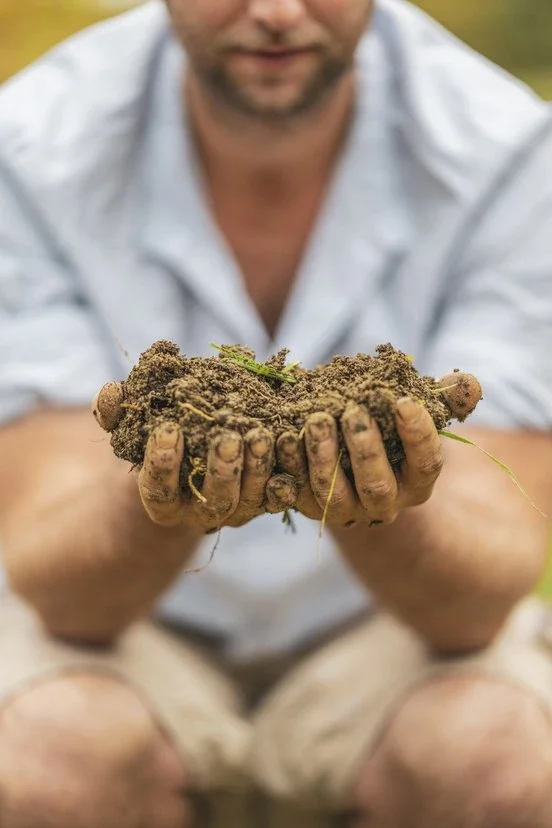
[277, 15]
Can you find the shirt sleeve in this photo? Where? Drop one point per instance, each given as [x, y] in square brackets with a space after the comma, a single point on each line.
[51, 348]
[496, 319]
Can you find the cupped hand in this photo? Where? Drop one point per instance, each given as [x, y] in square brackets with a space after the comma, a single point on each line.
[238, 486]
[377, 494]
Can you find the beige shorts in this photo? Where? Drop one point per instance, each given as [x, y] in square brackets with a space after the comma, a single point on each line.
[304, 742]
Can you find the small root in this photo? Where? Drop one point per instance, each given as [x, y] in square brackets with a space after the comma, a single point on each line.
[122, 349]
[438, 391]
[201, 569]
[197, 468]
[197, 411]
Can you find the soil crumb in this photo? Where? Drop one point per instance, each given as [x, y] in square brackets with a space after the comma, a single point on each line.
[232, 391]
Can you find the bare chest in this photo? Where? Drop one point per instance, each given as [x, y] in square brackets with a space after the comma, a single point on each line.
[269, 248]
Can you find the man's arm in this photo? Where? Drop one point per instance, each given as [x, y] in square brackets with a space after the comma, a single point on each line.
[450, 559]
[454, 567]
[90, 545]
[77, 542]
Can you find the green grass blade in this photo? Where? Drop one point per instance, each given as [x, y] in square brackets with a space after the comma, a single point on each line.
[452, 436]
[254, 367]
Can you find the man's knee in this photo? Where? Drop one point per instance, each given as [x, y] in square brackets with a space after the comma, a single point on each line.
[82, 751]
[462, 754]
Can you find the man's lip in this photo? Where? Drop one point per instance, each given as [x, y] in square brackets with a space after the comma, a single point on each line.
[273, 53]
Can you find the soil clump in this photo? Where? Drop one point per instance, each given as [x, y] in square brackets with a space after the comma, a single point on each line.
[232, 391]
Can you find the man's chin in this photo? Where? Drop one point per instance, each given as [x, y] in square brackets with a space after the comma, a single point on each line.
[274, 108]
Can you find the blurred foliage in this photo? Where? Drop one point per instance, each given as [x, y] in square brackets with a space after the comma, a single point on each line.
[514, 33]
[30, 27]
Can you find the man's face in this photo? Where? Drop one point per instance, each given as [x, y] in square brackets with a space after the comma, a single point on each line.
[270, 59]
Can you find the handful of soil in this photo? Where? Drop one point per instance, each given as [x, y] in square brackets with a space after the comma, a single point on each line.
[232, 391]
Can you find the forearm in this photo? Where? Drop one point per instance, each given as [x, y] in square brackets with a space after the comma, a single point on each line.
[93, 562]
[453, 568]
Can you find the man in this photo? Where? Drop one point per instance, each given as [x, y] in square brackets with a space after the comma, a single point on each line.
[326, 176]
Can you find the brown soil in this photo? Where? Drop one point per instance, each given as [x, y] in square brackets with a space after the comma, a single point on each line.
[206, 395]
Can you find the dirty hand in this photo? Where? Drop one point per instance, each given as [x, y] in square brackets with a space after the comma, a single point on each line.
[238, 486]
[378, 494]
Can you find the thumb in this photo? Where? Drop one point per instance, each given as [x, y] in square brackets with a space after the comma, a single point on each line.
[106, 406]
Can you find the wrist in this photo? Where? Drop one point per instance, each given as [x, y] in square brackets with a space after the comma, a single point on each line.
[126, 501]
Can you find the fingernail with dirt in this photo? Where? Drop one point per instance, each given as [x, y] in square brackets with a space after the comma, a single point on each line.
[228, 448]
[288, 445]
[320, 430]
[259, 446]
[166, 438]
[408, 409]
[355, 419]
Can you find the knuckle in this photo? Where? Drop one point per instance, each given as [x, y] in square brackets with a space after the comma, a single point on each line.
[222, 472]
[379, 491]
[339, 500]
[365, 452]
[321, 485]
[432, 465]
[420, 434]
[155, 490]
[251, 504]
[163, 461]
[213, 512]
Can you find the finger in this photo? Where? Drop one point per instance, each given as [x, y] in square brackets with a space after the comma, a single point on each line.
[375, 482]
[258, 465]
[422, 447]
[106, 406]
[292, 459]
[257, 468]
[281, 493]
[221, 487]
[328, 481]
[461, 392]
[159, 477]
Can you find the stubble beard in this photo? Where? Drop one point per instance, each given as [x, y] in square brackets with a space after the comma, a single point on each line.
[226, 92]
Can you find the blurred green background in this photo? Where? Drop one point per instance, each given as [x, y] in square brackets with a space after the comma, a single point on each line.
[517, 34]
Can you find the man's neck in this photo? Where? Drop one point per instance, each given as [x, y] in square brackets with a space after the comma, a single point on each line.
[238, 152]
